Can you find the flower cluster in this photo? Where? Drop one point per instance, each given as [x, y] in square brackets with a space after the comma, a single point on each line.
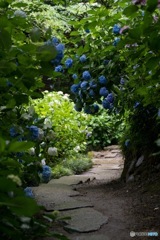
[88, 90]
[46, 173]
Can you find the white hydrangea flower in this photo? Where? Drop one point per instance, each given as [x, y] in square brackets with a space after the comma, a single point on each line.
[15, 179]
[47, 123]
[77, 149]
[41, 133]
[43, 161]
[52, 151]
[60, 92]
[26, 116]
[31, 151]
[20, 13]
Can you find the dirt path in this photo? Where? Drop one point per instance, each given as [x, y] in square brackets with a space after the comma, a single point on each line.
[101, 207]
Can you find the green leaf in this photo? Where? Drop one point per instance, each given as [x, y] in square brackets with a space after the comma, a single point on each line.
[46, 53]
[19, 146]
[2, 144]
[24, 206]
[5, 39]
[128, 11]
[152, 5]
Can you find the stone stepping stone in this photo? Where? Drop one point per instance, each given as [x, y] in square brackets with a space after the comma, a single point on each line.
[84, 220]
[116, 160]
[58, 197]
[72, 180]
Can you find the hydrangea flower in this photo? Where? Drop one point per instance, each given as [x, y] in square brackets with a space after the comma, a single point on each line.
[84, 85]
[35, 131]
[13, 132]
[52, 151]
[55, 41]
[106, 104]
[28, 192]
[86, 75]
[74, 76]
[96, 108]
[60, 48]
[46, 173]
[68, 63]
[74, 88]
[20, 13]
[93, 84]
[122, 81]
[110, 98]
[91, 93]
[87, 31]
[116, 29]
[83, 58]
[103, 92]
[136, 104]
[116, 41]
[105, 62]
[59, 68]
[127, 142]
[102, 80]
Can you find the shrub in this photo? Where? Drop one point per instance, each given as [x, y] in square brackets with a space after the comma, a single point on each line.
[105, 128]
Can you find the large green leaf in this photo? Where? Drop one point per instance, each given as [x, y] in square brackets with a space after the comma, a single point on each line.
[19, 146]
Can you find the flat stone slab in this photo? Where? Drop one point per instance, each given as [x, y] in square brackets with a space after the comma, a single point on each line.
[72, 180]
[84, 220]
[93, 237]
[72, 204]
[105, 155]
[116, 160]
[112, 147]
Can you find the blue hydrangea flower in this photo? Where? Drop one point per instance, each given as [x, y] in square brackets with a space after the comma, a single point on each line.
[91, 93]
[136, 104]
[55, 41]
[116, 29]
[96, 108]
[35, 131]
[83, 58]
[68, 63]
[105, 62]
[102, 80]
[122, 81]
[110, 98]
[59, 68]
[106, 104]
[74, 88]
[46, 173]
[103, 92]
[74, 76]
[127, 143]
[84, 85]
[87, 31]
[60, 48]
[116, 41]
[86, 75]
[13, 132]
[28, 192]
[93, 84]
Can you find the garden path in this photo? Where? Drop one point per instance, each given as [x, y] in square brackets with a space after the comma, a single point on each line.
[96, 212]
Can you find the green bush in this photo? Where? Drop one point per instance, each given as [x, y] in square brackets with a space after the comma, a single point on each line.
[106, 128]
[67, 127]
